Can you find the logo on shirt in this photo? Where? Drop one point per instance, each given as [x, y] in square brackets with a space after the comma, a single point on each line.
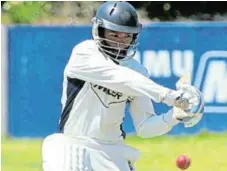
[109, 92]
[113, 96]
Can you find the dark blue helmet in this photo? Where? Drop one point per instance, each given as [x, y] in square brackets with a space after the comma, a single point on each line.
[120, 17]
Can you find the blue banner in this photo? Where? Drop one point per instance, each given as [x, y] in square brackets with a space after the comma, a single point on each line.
[38, 55]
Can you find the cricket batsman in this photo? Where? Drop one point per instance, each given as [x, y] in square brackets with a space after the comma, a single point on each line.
[100, 79]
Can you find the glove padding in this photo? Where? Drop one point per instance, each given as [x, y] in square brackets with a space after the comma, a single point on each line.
[194, 111]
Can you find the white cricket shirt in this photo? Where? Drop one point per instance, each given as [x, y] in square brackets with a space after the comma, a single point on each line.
[96, 91]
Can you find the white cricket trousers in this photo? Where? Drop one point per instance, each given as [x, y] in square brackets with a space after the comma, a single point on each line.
[64, 153]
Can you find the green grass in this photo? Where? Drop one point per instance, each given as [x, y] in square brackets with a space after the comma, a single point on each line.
[208, 152]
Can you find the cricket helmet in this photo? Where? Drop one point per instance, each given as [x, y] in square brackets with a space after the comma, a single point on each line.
[117, 16]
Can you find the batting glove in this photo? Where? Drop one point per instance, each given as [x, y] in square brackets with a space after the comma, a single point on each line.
[192, 106]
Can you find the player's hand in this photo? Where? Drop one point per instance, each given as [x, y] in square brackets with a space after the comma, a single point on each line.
[189, 106]
[174, 98]
[186, 97]
[191, 100]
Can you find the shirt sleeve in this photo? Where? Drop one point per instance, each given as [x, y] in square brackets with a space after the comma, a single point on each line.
[146, 122]
[93, 67]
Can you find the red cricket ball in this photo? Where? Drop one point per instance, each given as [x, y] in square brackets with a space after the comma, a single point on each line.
[183, 162]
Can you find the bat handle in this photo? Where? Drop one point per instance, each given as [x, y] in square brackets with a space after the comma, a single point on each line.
[184, 104]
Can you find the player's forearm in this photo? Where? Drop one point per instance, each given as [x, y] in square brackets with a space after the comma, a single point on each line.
[157, 125]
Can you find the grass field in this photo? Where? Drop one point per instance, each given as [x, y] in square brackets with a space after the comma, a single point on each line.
[207, 151]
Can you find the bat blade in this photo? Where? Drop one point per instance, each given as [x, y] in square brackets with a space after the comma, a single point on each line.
[185, 79]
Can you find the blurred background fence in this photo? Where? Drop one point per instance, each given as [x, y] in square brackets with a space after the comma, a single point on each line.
[81, 12]
[39, 45]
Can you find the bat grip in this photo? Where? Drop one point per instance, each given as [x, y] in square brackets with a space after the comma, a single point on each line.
[184, 104]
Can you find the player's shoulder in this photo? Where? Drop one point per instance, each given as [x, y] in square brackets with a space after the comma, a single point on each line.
[87, 46]
[135, 65]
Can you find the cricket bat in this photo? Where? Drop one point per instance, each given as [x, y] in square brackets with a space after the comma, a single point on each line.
[185, 79]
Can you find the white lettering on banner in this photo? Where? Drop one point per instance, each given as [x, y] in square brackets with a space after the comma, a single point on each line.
[159, 63]
[182, 62]
[215, 89]
[210, 77]
[213, 82]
